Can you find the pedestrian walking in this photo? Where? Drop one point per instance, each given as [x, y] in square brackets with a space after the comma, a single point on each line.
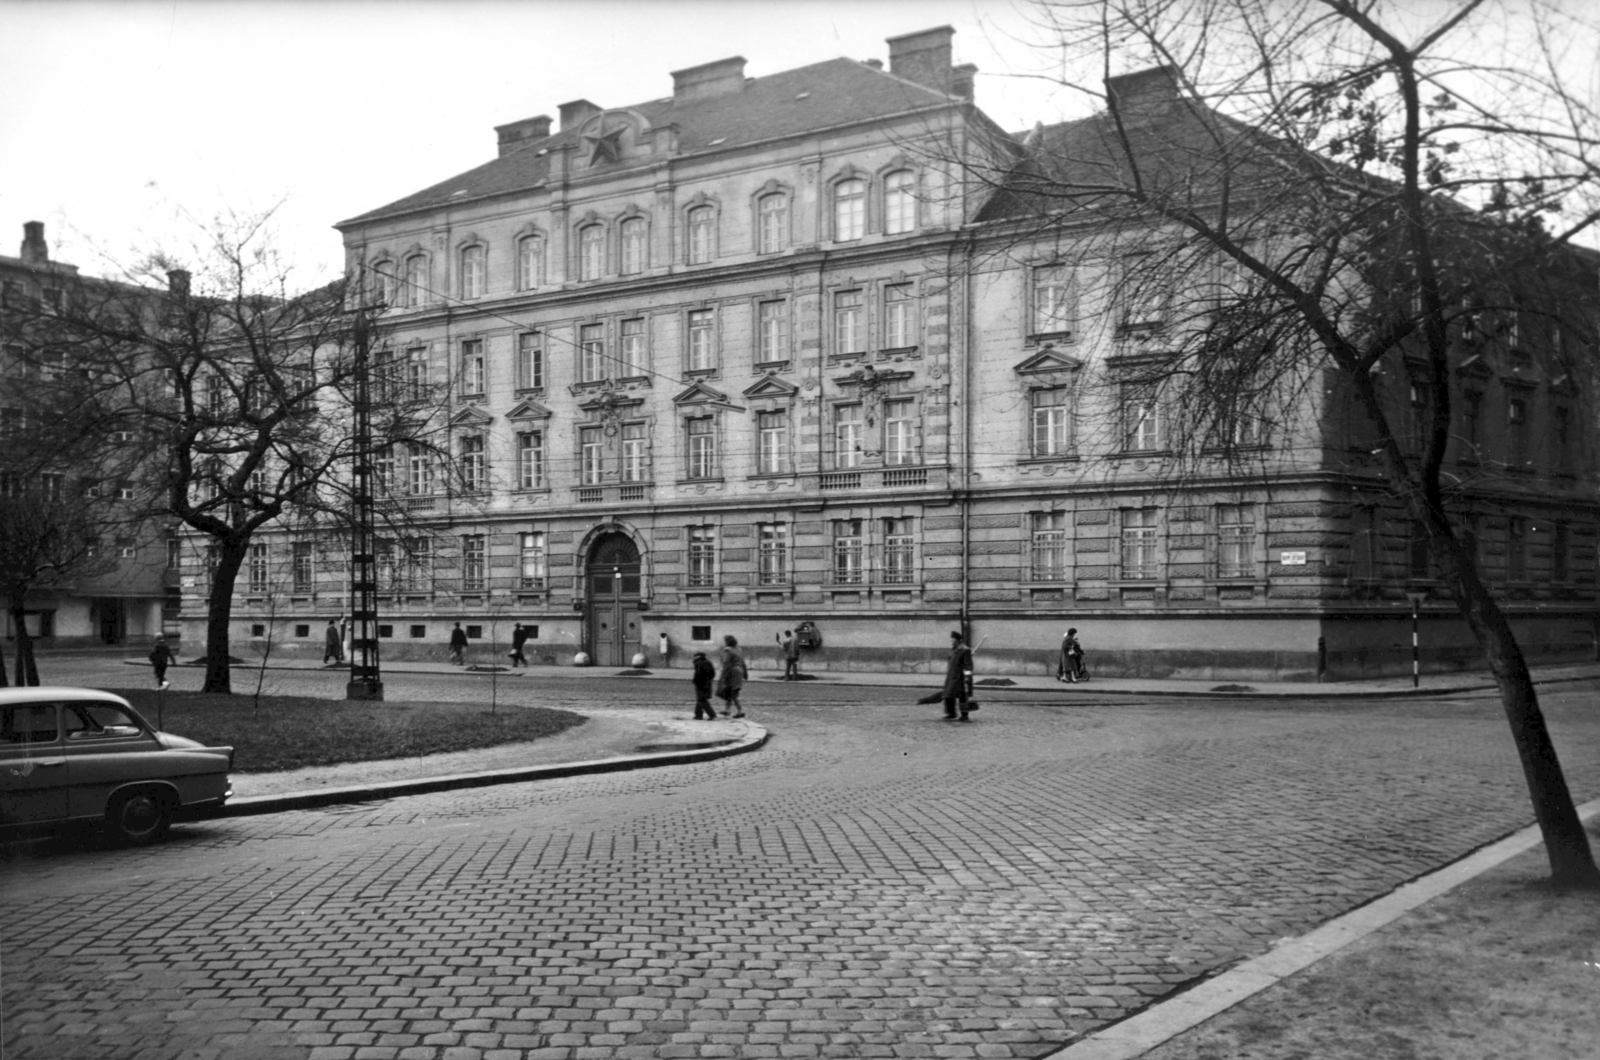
[958, 679]
[732, 677]
[791, 655]
[458, 646]
[160, 659]
[704, 674]
[332, 643]
[519, 637]
[1070, 668]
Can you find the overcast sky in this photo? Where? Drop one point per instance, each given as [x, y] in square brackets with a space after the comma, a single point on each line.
[121, 117]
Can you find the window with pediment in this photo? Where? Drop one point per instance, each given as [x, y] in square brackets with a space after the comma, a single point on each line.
[899, 202]
[772, 331]
[849, 210]
[899, 317]
[1049, 381]
[416, 281]
[474, 271]
[591, 252]
[633, 236]
[530, 262]
[772, 223]
[702, 234]
[1053, 309]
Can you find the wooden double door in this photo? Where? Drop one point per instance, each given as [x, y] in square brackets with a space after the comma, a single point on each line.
[612, 594]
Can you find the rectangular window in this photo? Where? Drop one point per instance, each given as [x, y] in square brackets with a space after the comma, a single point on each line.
[383, 469]
[1141, 418]
[1471, 420]
[1236, 541]
[772, 434]
[1517, 432]
[849, 210]
[702, 336]
[531, 560]
[418, 560]
[421, 473]
[899, 432]
[416, 373]
[530, 261]
[849, 334]
[633, 347]
[1053, 309]
[1517, 549]
[1561, 440]
[258, 568]
[899, 317]
[383, 386]
[1049, 547]
[700, 432]
[416, 280]
[899, 203]
[702, 555]
[847, 424]
[774, 222]
[1558, 552]
[174, 553]
[530, 460]
[591, 455]
[1139, 544]
[591, 353]
[849, 566]
[474, 470]
[633, 445]
[1049, 421]
[474, 561]
[773, 332]
[633, 246]
[772, 554]
[302, 572]
[530, 362]
[1143, 293]
[591, 252]
[1418, 561]
[899, 552]
[702, 222]
[472, 272]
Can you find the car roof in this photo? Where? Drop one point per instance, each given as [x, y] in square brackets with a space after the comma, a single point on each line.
[55, 694]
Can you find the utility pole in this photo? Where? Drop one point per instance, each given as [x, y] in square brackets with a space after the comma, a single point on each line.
[366, 680]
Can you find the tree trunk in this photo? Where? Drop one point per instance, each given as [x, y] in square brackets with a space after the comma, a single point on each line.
[3, 682]
[27, 673]
[230, 557]
[1565, 841]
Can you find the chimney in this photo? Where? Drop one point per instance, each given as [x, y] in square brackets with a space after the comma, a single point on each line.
[923, 58]
[708, 80]
[876, 64]
[577, 112]
[961, 79]
[1144, 94]
[514, 136]
[35, 251]
[178, 283]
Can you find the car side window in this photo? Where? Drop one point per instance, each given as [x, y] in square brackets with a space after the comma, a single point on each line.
[86, 721]
[32, 723]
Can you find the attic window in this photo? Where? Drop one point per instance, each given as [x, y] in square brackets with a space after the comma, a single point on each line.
[458, 193]
[719, 140]
[803, 95]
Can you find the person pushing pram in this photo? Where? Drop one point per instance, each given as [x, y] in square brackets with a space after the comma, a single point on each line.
[1071, 667]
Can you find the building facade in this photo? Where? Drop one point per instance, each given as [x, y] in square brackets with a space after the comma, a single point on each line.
[132, 595]
[763, 354]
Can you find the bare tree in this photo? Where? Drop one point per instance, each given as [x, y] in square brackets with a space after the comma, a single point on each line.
[239, 393]
[1310, 221]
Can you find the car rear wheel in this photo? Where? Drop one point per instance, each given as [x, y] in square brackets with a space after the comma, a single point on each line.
[139, 817]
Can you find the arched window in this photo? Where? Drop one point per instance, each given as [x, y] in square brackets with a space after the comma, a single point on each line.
[416, 279]
[591, 252]
[899, 202]
[530, 262]
[849, 210]
[473, 268]
[773, 223]
[633, 246]
[701, 222]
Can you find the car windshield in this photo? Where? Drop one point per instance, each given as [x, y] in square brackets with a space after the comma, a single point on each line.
[89, 720]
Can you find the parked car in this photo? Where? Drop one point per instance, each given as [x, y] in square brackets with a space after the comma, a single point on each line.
[77, 754]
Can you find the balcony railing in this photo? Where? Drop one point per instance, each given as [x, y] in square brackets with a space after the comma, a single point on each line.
[841, 480]
[888, 478]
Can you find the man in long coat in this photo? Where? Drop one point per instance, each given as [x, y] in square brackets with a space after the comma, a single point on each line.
[957, 679]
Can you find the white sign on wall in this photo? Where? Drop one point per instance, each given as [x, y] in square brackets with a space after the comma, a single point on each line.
[1293, 559]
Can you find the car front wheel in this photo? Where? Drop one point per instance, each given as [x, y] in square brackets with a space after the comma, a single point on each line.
[139, 817]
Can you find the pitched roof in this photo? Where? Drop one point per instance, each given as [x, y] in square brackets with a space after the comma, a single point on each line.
[820, 96]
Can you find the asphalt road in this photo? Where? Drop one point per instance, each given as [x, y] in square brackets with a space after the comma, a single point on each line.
[874, 882]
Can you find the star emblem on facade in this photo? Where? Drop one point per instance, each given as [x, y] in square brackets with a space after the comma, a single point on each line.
[605, 145]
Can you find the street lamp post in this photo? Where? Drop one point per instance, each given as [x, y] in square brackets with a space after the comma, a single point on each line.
[366, 679]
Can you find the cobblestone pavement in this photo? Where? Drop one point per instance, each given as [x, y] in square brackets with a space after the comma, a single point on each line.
[876, 882]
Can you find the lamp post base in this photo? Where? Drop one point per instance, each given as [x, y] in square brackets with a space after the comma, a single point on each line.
[364, 690]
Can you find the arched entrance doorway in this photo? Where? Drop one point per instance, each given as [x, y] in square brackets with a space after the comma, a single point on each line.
[612, 591]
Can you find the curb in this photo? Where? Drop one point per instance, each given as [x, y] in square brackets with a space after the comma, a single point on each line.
[1208, 997]
[253, 805]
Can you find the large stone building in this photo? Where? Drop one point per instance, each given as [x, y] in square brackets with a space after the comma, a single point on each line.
[128, 594]
[765, 353]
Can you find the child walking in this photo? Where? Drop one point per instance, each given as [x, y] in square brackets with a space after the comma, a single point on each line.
[704, 674]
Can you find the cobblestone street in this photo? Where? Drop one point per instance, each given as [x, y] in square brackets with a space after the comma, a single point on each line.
[875, 882]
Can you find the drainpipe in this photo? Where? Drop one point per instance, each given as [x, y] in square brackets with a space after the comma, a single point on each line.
[966, 442]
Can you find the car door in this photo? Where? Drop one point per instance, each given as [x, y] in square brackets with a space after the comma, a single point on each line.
[106, 748]
[33, 764]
